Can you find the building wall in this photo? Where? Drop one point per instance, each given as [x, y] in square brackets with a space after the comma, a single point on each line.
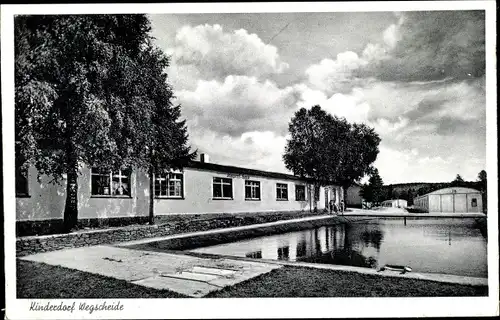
[395, 203]
[46, 200]
[479, 199]
[422, 203]
[198, 195]
[433, 203]
[451, 200]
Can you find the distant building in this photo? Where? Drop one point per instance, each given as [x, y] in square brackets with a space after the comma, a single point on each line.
[353, 197]
[456, 199]
[395, 203]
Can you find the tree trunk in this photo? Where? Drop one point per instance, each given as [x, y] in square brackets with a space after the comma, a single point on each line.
[71, 207]
[310, 198]
[151, 196]
[314, 198]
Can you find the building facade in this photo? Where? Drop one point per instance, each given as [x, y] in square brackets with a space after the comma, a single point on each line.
[458, 199]
[200, 188]
[395, 203]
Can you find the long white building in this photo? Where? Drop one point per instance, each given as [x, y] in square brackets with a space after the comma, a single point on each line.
[201, 187]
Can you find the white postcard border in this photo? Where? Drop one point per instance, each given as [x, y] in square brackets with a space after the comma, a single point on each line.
[255, 307]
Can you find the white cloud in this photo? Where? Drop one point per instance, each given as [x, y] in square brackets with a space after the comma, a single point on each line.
[217, 54]
[429, 129]
[350, 106]
[239, 104]
[391, 36]
[347, 106]
[260, 150]
[374, 52]
[385, 127]
[396, 166]
[334, 75]
[339, 75]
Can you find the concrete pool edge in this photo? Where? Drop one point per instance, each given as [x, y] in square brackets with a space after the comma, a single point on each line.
[437, 277]
[320, 218]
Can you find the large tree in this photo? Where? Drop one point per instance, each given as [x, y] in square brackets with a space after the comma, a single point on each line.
[167, 139]
[374, 191]
[326, 149]
[91, 89]
[411, 196]
[483, 183]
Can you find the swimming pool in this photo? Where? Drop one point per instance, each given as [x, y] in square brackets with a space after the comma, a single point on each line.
[445, 245]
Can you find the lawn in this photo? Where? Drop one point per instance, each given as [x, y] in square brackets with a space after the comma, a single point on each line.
[38, 280]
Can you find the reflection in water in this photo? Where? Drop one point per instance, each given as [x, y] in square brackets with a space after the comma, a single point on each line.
[373, 237]
[450, 246]
[338, 247]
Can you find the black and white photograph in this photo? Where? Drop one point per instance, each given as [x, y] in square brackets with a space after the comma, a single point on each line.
[195, 160]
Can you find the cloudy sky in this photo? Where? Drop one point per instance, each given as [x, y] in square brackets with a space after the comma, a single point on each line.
[416, 77]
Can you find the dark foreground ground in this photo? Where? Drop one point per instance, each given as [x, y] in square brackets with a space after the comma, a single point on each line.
[38, 280]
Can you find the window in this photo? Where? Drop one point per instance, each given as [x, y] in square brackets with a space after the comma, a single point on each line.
[281, 191]
[300, 193]
[170, 185]
[110, 183]
[21, 176]
[473, 202]
[252, 190]
[223, 188]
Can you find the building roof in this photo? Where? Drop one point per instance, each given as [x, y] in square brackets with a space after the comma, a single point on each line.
[243, 171]
[451, 190]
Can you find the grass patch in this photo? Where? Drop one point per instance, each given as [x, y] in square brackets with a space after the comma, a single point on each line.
[309, 282]
[38, 280]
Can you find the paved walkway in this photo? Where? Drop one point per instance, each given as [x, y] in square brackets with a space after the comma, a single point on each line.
[188, 275]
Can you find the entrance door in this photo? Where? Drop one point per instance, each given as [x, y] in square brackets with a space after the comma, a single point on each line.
[327, 200]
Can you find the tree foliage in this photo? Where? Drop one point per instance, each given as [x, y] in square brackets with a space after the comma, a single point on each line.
[482, 181]
[458, 182]
[91, 89]
[329, 149]
[411, 196]
[409, 191]
[374, 191]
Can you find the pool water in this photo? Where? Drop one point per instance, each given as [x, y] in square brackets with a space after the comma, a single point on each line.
[450, 246]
